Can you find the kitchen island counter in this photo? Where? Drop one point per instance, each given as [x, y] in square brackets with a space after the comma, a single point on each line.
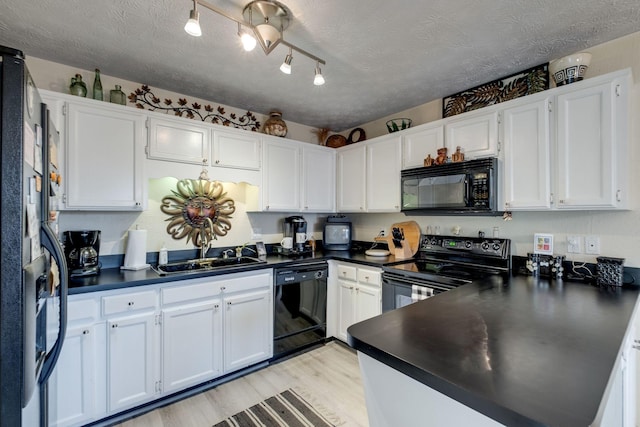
[521, 351]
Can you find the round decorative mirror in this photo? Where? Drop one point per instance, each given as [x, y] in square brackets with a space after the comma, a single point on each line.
[198, 211]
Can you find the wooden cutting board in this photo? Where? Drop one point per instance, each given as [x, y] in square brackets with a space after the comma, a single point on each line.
[411, 242]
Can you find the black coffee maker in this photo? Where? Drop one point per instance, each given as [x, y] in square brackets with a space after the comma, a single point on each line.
[295, 228]
[82, 251]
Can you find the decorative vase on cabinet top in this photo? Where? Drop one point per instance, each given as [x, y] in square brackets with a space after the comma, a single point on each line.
[274, 125]
[117, 96]
[77, 86]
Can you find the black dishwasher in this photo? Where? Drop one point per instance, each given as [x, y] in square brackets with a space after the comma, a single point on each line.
[300, 307]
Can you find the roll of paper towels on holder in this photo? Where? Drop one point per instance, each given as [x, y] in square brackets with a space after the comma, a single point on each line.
[135, 257]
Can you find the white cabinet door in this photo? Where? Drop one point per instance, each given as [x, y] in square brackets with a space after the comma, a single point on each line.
[131, 360]
[527, 156]
[587, 151]
[368, 302]
[346, 307]
[383, 174]
[178, 140]
[239, 149]
[318, 179]
[105, 151]
[248, 329]
[281, 172]
[72, 386]
[476, 134]
[191, 344]
[418, 143]
[351, 173]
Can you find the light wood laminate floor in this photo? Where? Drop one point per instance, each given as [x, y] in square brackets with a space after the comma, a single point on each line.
[329, 374]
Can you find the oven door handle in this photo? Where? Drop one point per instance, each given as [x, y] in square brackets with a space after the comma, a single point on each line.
[406, 281]
[467, 191]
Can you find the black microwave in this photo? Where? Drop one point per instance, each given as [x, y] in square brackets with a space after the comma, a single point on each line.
[464, 187]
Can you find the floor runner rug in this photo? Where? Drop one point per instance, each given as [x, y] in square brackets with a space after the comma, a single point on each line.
[287, 409]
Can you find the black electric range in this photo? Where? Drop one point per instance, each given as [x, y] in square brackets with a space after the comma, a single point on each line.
[441, 264]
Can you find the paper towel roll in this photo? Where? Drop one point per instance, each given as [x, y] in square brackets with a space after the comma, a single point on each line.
[135, 257]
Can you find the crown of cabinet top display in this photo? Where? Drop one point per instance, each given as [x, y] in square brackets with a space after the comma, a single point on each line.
[145, 99]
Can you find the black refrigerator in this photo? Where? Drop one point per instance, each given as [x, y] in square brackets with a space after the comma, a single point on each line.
[33, 273]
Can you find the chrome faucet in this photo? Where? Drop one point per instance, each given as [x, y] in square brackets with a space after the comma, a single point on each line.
[225, 253]
[240, 248]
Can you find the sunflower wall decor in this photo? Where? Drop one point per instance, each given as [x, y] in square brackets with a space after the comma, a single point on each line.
[199, 210]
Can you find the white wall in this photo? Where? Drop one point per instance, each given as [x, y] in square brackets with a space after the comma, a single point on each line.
[619, 231]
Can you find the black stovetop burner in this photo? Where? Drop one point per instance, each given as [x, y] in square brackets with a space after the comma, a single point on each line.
[455, 260]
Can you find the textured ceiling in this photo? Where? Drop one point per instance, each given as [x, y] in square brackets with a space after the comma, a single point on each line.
[382, 56]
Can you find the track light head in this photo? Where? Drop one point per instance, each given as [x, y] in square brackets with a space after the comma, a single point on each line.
[286, 65]
[192, 27]
[318, 80]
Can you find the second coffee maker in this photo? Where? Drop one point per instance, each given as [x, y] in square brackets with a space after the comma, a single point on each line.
[295, 229]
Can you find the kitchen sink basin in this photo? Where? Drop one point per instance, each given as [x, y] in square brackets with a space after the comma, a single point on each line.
[205, 264]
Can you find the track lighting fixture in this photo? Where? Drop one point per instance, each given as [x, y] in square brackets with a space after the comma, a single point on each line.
[248, 41]
[263, 22]
[286, 65]
[318, 80]
[193, 24]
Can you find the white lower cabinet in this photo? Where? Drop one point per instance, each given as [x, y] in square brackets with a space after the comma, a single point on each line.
[130, 346]
[359, 295]
[248, 338]
[131, 360]
[194, 357]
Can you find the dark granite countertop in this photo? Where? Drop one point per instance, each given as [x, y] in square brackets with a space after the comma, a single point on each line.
[523, 350]
[114, 278]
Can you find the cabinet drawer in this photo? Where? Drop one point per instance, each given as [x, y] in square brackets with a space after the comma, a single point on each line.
[243, 282]
[82, 311]
[347, 273]
[370, 277]
[190, 292]
[128, 302]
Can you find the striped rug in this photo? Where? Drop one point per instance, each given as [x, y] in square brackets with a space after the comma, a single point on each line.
[287, 409]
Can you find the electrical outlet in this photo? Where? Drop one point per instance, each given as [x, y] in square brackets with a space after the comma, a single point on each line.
[381, 234]
[592, 245]
[256, 233]
[574, 244]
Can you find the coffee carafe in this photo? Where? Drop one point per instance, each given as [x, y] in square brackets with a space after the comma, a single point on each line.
[295, 227]
[82, 251]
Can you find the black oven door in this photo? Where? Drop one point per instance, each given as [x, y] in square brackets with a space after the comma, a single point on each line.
[399, 291]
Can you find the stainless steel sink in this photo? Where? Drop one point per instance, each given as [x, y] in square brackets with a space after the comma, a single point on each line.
[205, 264]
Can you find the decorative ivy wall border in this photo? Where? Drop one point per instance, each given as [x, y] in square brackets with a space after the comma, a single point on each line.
[527, 82]
[144, 97]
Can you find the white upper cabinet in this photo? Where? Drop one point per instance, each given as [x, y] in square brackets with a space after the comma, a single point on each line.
[591, 137]
[104, 157]
[178, 140]
[418, 142]
[476, 133]
[383, 174]
[351, 176]
[568, 149]
[280, 179]
[318, 179]
[236, 149]
[526, 134]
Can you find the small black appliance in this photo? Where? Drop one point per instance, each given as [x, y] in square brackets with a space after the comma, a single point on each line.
[294, 233]
[337, 234]
[82, 249]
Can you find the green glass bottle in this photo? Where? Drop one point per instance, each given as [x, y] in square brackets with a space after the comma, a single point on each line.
[77, 87]
[117, 96]
[97, 86]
